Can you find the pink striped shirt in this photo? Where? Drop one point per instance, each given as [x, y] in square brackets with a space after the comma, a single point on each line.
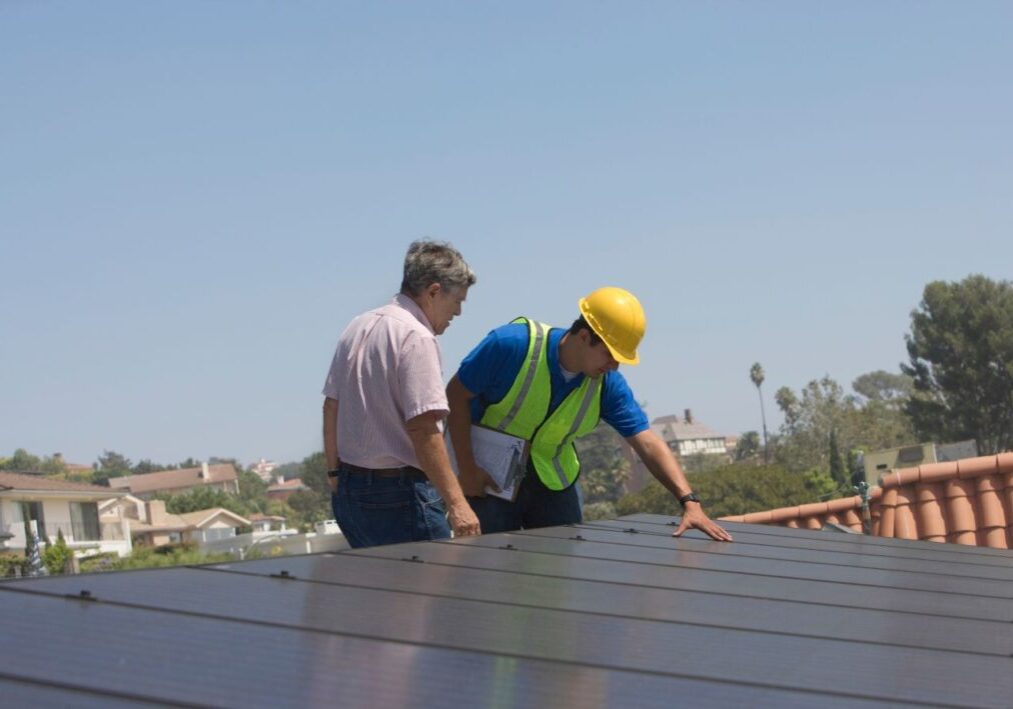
[386, 370]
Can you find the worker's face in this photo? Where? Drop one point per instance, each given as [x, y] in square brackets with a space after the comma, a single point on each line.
[441, 305]
[597, 358]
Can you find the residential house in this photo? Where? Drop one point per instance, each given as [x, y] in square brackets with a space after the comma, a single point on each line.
[157, 527]
[284, 489]
[267, 523]
[58, 506]
[685, 436]
[264, 469]
[174, 482]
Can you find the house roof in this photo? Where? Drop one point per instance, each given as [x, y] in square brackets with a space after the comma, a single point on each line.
[672, 428]
[200, 518]
[172, 479]
[188, 520]
[612, 613]
[260, 517]
[23, 482]
[293, 484]
[967, 501]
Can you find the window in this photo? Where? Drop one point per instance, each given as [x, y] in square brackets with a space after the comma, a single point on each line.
[84, 521]
[214, 533]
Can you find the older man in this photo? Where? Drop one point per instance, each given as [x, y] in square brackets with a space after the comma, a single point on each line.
[384, 408]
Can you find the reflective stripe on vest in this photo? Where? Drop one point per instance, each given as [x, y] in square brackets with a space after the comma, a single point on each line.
[523, 412]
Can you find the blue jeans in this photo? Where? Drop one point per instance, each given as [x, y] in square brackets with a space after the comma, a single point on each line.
[535, 506]
[373, 510]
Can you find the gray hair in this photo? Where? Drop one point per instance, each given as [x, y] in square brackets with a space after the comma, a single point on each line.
[429, 262]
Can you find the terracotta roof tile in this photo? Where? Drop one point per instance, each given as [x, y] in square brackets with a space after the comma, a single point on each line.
[967, 501]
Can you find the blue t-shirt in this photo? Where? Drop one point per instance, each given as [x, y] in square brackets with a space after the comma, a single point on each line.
[490, 369]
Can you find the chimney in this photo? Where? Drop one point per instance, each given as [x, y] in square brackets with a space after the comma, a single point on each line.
[204, 471]
[156, 512]
[689, 415]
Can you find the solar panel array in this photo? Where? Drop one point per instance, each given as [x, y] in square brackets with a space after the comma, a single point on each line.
[612, 613]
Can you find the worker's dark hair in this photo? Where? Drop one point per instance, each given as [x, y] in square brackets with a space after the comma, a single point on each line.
[581, 324]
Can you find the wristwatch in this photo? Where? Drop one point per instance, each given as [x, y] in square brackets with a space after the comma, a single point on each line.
[691, 497]
[333, 473]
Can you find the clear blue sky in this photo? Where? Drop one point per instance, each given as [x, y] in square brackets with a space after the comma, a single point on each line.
[195, 198]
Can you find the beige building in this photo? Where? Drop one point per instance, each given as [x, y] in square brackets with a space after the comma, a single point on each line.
[151, 525]
[175, 482]
[57, 506]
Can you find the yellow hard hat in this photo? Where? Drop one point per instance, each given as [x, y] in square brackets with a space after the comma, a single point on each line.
[617, 317]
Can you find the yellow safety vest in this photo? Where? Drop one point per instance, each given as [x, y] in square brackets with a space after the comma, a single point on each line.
[523, 412]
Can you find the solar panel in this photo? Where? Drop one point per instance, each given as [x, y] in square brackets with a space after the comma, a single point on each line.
[583, 616]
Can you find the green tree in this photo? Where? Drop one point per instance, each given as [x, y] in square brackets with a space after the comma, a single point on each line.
[146, 466]
[892, 389]
[202, 498]
[111, 465]
[757, 376]
[747, 446]
[309, 507]
[57, 556]
[314, 474]
[252, 491]
[824, 409]
[838, 473]
[287, 471]
[604, 467]
[960, 351]
[733, 490]
[23, 462]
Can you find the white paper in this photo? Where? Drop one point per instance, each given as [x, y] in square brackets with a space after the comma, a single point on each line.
[499, 454]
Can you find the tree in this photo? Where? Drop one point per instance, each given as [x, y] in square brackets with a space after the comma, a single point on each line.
[314, 474]
[22, 461]
[111, 465]
[892, 389]
[824, 410]
[203, 498]
[756, 375]
[57, 556]
[604, 468]
[733, 490]
[146, 466]
[838, 472]
[960, 351]
[747, 446]
[252, 490]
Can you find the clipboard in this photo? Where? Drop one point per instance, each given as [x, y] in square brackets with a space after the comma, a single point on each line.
[503, 456]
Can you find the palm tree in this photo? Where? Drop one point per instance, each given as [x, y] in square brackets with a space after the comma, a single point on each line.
[756, 374]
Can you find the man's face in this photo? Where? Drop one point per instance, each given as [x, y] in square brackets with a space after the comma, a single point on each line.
[443, 305]
[597, 358]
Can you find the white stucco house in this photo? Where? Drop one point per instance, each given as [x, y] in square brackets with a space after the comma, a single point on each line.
[59, 506]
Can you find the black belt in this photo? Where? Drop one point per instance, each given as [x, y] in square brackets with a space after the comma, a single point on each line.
[408, 472]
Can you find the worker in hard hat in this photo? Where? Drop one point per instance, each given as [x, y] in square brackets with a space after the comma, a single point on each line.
[550, 386]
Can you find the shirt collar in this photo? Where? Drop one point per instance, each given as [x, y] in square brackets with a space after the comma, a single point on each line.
[412, 307]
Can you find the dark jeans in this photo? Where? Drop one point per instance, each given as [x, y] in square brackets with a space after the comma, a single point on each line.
[373, 510]
[535, 506]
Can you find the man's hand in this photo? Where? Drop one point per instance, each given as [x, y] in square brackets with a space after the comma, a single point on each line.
[463, 520]
[474, 480]
[694, 517]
